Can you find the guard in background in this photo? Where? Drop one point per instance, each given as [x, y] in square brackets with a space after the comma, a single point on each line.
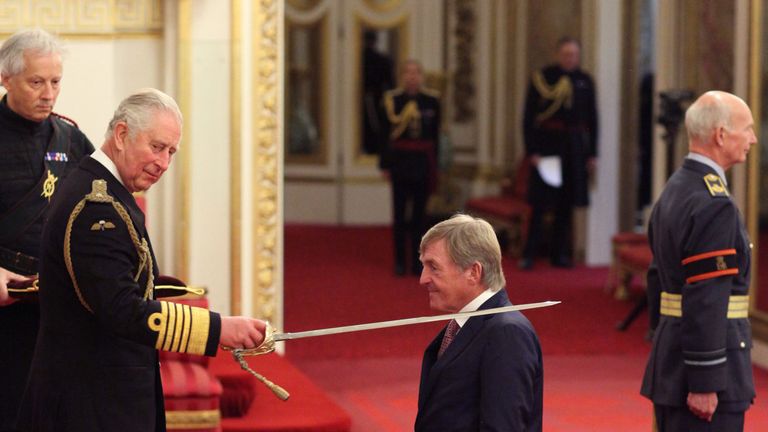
[38, 150]
[410, 160]
[699, 375]
[560, 120]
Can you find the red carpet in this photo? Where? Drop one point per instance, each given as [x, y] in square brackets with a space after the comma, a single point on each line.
[343, 275]
[308, 408]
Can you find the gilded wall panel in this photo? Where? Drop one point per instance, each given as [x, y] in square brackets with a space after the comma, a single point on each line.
[83, 17]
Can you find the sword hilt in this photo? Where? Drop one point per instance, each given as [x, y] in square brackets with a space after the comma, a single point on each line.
[267, 346]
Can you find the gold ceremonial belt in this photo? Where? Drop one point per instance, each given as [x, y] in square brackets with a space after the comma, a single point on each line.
[161, 291]
[671, 305]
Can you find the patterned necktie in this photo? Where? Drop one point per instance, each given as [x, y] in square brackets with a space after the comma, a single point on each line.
[450, 333]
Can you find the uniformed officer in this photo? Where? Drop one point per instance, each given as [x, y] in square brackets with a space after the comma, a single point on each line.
[39, 148]
[409, 159]
[560, 120]
[96, 364]
[699, 375]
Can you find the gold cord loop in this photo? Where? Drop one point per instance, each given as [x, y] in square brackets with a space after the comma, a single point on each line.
[266, 347]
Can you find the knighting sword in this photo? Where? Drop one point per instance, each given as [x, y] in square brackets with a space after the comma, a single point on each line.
[271, 336]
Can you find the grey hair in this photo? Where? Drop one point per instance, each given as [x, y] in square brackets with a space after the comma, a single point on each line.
[707, 114]
[36, 41]
[137, 111]
[470, 240]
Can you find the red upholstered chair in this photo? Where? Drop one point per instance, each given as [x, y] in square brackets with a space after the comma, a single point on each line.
[633, 260]
[192, 393]
[616, 280]
[510, 210]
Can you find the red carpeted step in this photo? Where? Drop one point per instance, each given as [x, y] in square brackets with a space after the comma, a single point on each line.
[309, 409]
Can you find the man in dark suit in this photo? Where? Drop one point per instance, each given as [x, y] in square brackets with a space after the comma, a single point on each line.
[699, 374]
[96, 365]
[484, 373]
[38, 149]
[560, 121]
[409, 159]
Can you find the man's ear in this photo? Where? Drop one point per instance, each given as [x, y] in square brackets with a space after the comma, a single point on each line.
[475, 274]
[720, 136]
[121, 134]
[6, 81]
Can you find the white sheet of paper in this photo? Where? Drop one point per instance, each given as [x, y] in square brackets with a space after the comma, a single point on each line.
[550, 171]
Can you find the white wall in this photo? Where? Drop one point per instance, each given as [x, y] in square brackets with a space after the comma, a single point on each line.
[98, 74]
[602, 217]
[208, 148]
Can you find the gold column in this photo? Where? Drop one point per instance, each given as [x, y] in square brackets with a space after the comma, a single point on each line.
[184, 99]
[235, 88]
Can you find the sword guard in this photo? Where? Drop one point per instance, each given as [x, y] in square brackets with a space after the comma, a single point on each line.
[267, 345]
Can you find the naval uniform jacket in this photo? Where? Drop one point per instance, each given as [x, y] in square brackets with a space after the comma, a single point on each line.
[701, 259]
[96, 363]
[490, 378]
[560, 119]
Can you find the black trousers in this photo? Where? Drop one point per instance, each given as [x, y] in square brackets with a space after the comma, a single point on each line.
[408, 194]
[18, 333]
[544, 198]
[681, 419]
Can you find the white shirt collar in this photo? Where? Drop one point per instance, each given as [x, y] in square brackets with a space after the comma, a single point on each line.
[103, 159]
[698, 157]
[474, 305]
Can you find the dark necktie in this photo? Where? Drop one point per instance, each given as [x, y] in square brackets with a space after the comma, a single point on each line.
[450, 333]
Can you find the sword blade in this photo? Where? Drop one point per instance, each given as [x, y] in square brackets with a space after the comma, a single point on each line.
[407, 321]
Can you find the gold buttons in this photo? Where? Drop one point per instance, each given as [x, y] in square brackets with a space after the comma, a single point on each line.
[743, 344]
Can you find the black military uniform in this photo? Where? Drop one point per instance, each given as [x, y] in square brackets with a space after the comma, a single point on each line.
[560, 119]
[411, 158]
[96, 363]
[697, 288]
[36, 156]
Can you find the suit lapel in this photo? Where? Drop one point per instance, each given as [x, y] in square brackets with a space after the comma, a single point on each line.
[465, 336]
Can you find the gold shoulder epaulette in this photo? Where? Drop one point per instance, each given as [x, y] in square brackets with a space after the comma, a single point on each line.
[715, 185]
[99, 192]
[431, 92]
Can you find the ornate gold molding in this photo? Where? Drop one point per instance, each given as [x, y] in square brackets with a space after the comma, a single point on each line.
[84, 17]
[304, 5]
[266, 157]
[192, 419]
[383, 5]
